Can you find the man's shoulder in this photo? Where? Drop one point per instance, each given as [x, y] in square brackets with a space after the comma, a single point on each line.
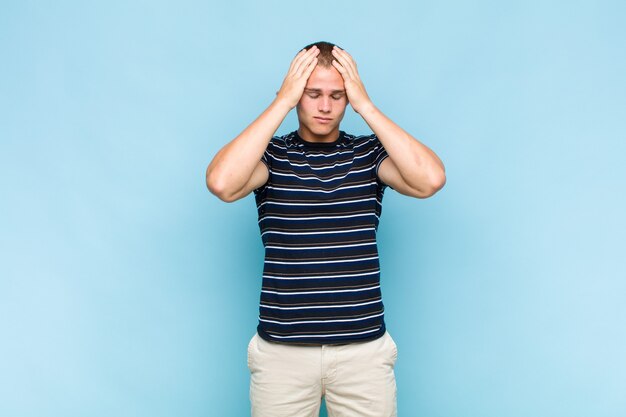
[281, 139]
[369, 140]
[279, 143]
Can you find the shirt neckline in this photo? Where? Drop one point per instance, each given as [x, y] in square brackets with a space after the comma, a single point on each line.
[320, 144]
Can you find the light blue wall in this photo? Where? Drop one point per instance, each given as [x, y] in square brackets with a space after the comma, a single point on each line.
[126, 289]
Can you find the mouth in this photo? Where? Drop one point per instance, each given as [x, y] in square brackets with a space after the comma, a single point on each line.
[323, 120]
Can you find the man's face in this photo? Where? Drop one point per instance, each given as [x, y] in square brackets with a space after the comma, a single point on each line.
[322, 105]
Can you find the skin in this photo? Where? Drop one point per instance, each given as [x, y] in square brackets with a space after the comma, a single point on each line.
[322, 106]
[412, 168]
[323, 93]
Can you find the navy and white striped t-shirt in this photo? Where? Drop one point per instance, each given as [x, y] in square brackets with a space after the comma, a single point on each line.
[318, 215]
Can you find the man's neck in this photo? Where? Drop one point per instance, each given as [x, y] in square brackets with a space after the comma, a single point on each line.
[309, 136]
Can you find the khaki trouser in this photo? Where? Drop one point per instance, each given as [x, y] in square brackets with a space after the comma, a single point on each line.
[356, 379]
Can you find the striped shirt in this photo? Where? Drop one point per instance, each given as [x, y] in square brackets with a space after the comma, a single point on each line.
[318, 216]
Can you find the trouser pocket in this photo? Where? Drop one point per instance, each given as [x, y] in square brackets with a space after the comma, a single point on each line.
[251, 346]
[394, 348]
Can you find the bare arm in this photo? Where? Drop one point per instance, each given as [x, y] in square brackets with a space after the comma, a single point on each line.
[236, 169]
[412, 168]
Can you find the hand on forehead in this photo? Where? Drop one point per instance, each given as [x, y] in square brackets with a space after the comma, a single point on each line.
[325, 79]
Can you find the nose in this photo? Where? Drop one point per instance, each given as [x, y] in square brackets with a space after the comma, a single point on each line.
[324, 104]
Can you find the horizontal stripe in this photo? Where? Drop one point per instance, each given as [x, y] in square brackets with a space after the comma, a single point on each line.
[325, 155]
[338, 164]
[287, 323]
[311, 166]
[276, 203]
[317, 288]
[274, 172]
[317, 217]
[299, 243]
[320, 292]
[322, 276]
[364, 142]
[321, 306]
[321, 262]
[318, 190]
[325, 335]
[320, 247]
[319, 154]
[313, 154]
[275, 232]
[321, 317]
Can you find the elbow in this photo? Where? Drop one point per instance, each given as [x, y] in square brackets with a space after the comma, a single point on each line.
[221, 192]
[435, 183]
[218, 188]
[439, 181]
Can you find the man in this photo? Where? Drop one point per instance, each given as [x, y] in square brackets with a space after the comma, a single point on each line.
[319, 191]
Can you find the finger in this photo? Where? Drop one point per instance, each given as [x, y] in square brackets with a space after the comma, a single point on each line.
[341, 70]
[305, 66]
[295, 59]
[343, 51]
[311, 52]
[348, 61]
[338, 55]
[348, 64]
[304, 61]
[310, 68]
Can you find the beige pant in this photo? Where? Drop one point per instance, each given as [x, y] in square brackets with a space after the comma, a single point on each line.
[356, 379]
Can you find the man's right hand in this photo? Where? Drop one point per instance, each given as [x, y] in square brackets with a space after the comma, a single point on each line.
[301, 68]
[236, 170]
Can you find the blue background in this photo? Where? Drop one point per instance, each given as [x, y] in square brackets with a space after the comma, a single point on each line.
[127, 289]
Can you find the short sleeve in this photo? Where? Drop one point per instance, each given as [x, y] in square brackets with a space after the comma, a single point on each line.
[267, 158]
[380, 154]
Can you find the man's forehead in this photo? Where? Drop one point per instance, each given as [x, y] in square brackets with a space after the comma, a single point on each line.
[325, 79]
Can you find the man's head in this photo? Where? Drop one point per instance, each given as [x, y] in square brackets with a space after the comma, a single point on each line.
[325, 57]
[323, 103]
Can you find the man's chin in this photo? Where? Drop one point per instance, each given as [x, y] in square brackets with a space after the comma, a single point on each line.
[323, 130]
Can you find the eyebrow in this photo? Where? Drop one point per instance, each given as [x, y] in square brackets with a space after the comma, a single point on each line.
[319, 90]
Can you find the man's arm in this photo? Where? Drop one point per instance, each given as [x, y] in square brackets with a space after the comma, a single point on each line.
[412, 168]
[236, 170]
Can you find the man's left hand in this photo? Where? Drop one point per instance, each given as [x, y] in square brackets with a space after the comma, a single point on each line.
[357, 96]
